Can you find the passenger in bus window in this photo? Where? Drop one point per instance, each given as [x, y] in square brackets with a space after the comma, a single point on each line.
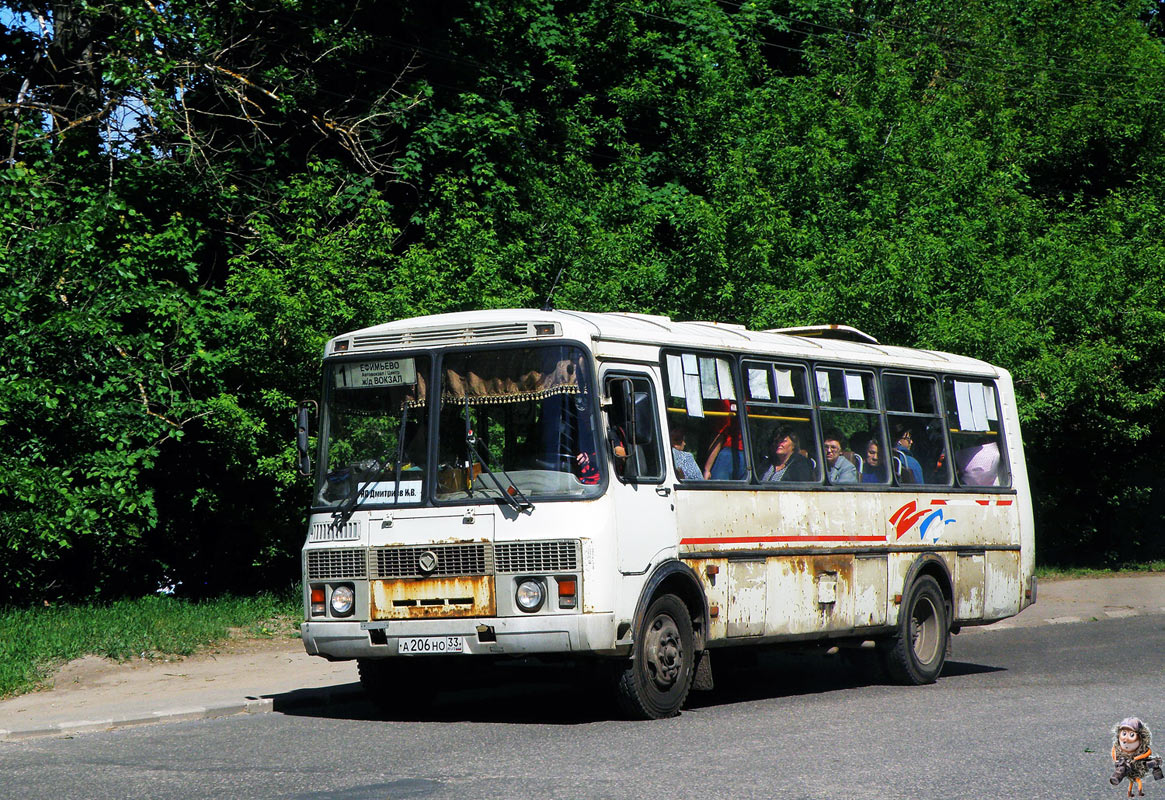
[979, 465]
[874, 470]
[587, 464]
[786, 462]
[587, 470]
[686, 467]
[911, 470]
[939, 474]
[617, 441]
[725, 460]
[838, 468]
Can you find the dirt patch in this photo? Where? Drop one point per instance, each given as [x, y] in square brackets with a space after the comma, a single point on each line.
[95, 671]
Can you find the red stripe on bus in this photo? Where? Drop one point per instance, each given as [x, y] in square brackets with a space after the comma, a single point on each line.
[763, 539]
[938, 502]
[983, 502]
[1004, 502]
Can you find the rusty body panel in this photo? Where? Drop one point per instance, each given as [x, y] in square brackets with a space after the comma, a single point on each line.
[799, 563]
[748, 587]
[432, 598]
[870, 589]
[811, 594]
[969, 577]
[1003, 594]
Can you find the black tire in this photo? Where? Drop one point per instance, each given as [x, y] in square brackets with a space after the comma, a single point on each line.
[655, 683]
[404, 684]
[915, 654]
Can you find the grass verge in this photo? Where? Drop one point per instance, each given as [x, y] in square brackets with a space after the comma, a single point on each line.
[1064, 573]
[35, 642]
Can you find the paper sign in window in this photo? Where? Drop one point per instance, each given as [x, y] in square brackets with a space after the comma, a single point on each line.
[692, 395]
[989, 397]
[389, 492]
[675, 376]
[709, 386]
[785, 383]
[823, 393]
[724, 379]
[378, 374]
[971, 418]
[758, 384]
[979, 407]
[853, 387]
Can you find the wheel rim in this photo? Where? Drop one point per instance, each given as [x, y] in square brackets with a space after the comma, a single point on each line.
[924, 631]
[663, 652]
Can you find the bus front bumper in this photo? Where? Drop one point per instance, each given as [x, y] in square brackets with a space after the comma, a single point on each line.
[575, 633]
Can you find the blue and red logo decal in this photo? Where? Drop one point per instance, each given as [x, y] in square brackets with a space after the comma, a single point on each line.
[930, 522]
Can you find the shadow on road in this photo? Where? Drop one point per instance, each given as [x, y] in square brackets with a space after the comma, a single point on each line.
[553, 695]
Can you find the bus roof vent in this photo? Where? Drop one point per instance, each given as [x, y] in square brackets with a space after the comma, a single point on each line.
[461, 334]
[843, 332]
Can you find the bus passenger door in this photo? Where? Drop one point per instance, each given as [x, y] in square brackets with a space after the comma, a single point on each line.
[644, 511]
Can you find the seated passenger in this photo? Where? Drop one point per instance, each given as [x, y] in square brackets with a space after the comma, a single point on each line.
[939, 475]
[875, 469]
[786, 462]
[979, 465]
[911, 469]
[587, 464]
[838, 468]
[725, 460]
[686, 467]
[587, 469]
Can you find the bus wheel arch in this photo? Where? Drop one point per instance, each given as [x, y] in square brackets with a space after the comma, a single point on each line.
[669, 631]
[677, 578]
[916, 652]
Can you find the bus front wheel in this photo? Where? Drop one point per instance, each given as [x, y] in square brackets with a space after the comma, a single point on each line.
[656, 681]
[915, 653]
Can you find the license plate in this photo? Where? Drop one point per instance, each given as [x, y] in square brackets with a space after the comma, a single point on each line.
[429, 645]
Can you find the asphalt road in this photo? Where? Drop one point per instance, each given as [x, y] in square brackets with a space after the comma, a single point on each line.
[1021, 713]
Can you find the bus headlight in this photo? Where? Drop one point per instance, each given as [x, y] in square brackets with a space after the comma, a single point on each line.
[343, 598]
[530, 595]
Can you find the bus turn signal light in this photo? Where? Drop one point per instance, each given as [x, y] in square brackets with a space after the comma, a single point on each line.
[317, 601]
[567, 592]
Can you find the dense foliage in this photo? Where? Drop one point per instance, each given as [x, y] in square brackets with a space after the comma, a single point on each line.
[197, 194]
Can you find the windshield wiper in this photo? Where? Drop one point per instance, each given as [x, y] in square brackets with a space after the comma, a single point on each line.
[518, 501]
[348, 507]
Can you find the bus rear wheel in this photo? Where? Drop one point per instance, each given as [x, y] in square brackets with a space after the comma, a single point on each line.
[915, 654]
[656, 682]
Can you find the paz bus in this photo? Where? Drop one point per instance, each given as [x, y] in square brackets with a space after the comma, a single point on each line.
[638, 494]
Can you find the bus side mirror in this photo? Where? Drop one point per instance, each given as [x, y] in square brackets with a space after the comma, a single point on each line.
[634, 413]
[302, 425]
[644, 411]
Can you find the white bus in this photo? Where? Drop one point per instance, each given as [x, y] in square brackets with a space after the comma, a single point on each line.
[637, 493]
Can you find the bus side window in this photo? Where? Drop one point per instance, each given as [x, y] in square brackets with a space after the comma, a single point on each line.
[634, 429]
[780, 423]
[702, 403]
[976, 436]
[848, 404]
[917, 439]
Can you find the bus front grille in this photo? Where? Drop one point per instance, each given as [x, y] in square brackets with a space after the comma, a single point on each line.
[450, 560]
[442, 560]
[330, 565]
[555, 556]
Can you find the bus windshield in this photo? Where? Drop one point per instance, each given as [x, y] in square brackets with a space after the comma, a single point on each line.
[375, 433]
[516, 420]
